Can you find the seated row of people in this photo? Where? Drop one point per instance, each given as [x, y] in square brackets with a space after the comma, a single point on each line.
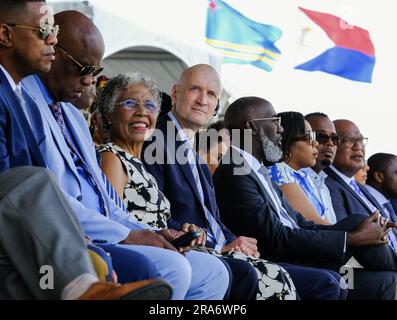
[168, 197]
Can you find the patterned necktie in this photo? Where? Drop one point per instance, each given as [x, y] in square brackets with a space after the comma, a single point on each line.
[214, 225]
[56, 110]
[285, 218]
[22, 102]
[357, 189]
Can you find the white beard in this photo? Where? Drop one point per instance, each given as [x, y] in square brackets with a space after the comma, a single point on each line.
[271, 150]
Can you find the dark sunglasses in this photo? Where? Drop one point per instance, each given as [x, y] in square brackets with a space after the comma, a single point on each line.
[45, 31]
[323, 138]
[84, 70]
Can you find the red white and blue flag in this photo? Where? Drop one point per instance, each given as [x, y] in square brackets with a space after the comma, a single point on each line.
[353, 54]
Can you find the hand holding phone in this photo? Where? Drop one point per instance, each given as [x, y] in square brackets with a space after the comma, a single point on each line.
[185, 240]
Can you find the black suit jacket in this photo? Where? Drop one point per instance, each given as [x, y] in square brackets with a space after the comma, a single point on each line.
[246, 209]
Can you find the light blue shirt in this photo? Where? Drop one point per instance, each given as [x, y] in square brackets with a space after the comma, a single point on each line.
[322, 192]
[256, 166]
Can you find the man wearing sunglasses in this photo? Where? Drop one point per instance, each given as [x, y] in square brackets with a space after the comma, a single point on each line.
[67, 147]
[327, 143]
[26, 47]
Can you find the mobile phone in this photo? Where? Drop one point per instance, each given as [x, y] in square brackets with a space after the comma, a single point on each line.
[184, 240]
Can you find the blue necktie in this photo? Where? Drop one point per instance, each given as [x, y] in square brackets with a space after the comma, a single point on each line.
[214, 225]
[357, 189]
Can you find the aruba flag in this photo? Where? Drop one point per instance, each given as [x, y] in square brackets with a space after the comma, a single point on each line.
[352, 57]
[241, 39]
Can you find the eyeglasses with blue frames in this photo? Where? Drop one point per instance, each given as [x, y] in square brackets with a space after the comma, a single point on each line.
[85, 70]
[310, 137]
[349, 142]
[45, 31]
[276, 120]
[132, 105]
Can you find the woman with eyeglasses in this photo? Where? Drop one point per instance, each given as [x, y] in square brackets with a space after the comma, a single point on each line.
[128, 107]
[299, 151]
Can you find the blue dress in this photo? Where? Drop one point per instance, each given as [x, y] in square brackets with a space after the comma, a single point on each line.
[282, 173]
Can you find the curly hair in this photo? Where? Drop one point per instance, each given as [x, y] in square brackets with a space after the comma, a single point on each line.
[106, 100]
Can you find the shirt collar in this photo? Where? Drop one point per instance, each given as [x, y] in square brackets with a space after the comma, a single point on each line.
[181, 133]
[377, 195]
[343, 176]
[10, 79]
[314, 175]
[44, 91]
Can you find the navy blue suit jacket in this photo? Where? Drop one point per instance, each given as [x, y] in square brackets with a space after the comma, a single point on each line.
[177, 183]
[18, 144]
[345, 201]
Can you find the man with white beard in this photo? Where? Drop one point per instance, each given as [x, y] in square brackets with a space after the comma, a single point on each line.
[251, 204]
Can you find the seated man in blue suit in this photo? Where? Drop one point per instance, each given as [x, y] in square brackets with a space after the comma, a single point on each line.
[348, 196]
[251, 204]
[67, 148]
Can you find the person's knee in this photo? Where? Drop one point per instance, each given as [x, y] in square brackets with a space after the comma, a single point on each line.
[331, 285]
[180, 268]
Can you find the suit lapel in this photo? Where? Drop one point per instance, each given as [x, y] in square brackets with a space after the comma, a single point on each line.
[33, 89]
[372, 199]
[171, 153]
[334, 175]
[16, 109]
[243, 163]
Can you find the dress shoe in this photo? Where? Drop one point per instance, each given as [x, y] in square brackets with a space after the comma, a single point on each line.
[153, 289]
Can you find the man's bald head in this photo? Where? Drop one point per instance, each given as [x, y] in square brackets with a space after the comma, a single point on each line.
[244, 109]
[78, 30]
[344, 126]
[199, 68]
[80, 45]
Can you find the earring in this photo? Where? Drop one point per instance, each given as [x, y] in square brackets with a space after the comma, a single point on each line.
[287, 157]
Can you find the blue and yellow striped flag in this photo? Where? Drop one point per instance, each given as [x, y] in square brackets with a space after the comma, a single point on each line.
[241, 39]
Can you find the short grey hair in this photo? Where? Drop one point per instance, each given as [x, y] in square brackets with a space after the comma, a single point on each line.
[106, 100]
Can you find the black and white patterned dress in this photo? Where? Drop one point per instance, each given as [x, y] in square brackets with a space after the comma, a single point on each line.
[146, 203]
[142, 197]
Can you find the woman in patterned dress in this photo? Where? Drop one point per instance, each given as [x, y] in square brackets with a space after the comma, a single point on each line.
[129, 107]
